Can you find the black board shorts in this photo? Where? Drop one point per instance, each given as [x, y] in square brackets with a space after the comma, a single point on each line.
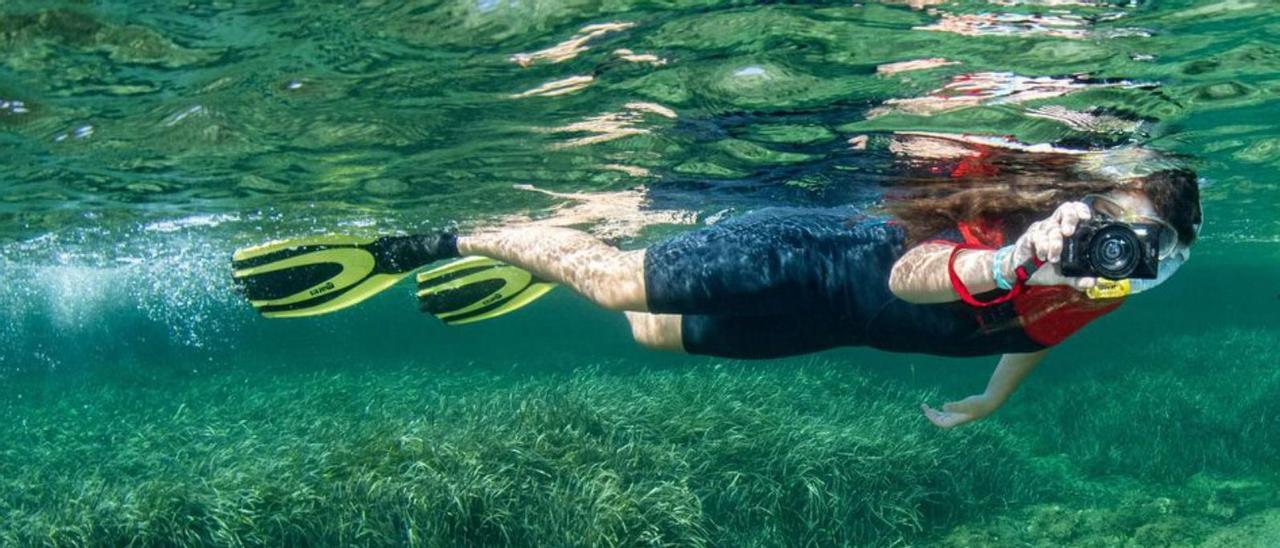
[785, 282]
[774, 283]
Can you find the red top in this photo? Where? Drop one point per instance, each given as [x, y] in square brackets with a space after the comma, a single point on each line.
[1048, 313]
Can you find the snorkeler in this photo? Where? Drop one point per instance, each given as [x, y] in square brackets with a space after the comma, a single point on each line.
[992, 269]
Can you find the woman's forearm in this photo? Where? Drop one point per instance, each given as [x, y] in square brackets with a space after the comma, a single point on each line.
[1011, 371]
[1009, 374]
[922, 275]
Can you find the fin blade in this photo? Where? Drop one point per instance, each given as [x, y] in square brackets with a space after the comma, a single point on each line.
[311, 276]
[276, 246]
[520, 300]
[477, 288]
[355, 295]
[443, 273]
[355, 266]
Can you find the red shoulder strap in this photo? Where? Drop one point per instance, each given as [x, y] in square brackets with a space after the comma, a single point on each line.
[990, 234]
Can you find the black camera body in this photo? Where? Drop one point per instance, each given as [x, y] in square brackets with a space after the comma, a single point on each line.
[1115, 250]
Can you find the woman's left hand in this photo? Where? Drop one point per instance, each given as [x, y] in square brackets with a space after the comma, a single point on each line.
[960, 412]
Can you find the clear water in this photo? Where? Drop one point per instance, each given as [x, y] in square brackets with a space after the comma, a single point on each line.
[142, 401]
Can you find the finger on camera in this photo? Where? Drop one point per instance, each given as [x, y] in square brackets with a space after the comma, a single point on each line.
[1054, 249]
[1041, 246]
[1072, 219]
[1045, 242]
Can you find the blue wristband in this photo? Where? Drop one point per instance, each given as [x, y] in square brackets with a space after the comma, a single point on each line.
[1001, 257]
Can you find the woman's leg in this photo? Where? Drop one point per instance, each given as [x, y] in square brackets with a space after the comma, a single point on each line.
[609, 277]
[766, 265]
[657, 331]
[740, 337]
[754, 290]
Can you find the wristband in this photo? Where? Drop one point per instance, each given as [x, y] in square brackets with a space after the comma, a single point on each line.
[997, 261]
[1022, 272]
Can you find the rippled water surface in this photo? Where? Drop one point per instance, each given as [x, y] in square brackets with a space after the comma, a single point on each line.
[276, 115]
[141, 142]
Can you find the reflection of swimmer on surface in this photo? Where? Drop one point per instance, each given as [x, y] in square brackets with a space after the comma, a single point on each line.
[1059, 25]
[611, 215]
[973, 263]
[992, 88]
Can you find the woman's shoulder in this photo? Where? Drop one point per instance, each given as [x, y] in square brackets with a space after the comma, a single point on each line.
[978, 232]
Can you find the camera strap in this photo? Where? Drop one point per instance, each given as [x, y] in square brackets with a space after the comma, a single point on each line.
[1022, 272]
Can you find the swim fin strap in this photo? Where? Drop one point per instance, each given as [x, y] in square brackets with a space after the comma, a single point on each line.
[318, 275]
[477, 288]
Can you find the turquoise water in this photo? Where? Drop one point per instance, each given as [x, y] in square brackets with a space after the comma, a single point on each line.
[144, 402]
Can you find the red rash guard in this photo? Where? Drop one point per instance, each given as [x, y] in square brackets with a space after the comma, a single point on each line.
[1048, 314]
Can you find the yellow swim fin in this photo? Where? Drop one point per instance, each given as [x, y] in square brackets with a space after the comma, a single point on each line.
[477, 288]
[318, 275]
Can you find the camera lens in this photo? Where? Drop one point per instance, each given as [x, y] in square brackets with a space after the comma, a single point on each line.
[1114, 252]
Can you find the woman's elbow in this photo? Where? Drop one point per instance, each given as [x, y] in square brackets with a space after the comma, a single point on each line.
[900, 284]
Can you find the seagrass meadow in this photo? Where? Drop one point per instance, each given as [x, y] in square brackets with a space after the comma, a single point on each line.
[144, 403]
[624, 450]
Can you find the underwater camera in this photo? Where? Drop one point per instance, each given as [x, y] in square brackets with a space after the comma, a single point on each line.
[1115, 250]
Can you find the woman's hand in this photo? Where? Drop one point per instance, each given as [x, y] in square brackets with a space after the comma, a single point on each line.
[960, 412]
[1009, 373]
[1045, 240]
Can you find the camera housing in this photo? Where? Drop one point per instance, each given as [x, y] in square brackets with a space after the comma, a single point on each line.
[1115, 250]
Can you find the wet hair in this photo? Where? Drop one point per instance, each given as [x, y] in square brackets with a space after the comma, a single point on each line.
[927, 212]
[1175, 193]
[928, 207]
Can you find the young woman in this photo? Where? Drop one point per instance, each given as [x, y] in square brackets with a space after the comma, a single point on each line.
[947, 276]
[781, 283]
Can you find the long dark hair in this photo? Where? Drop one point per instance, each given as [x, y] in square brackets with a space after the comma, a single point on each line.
[1034, 186]
[1175, 193]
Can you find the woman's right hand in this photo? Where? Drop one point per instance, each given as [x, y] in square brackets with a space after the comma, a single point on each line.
[1045, 240]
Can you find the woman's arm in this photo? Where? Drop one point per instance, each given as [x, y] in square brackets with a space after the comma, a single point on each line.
[1013, 368]
[922, 275]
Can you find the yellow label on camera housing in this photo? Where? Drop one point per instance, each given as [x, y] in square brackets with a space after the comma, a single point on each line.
[1109, 289]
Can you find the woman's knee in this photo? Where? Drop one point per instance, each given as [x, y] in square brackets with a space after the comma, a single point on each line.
[617, 282]
[656, 331]
[609, 277]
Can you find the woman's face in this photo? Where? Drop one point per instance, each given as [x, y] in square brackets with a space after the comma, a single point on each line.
[1134, 201]
[1135, 205]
